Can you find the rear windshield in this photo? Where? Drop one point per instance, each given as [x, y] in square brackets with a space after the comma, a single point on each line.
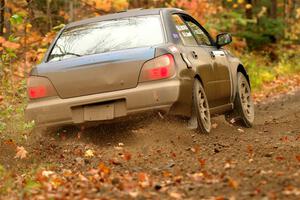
[105, 36]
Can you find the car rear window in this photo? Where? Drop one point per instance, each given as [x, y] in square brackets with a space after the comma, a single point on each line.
[110, 35]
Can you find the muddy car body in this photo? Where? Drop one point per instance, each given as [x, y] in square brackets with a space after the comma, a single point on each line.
[111, 66]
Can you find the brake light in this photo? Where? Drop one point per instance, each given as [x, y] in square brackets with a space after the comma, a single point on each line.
[37, 92]
[158, 68]
[39, 87]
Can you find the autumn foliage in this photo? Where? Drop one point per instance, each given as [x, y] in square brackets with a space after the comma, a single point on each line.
[266, 37]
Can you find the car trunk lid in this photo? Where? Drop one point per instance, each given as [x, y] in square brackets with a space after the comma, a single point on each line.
[97, 73]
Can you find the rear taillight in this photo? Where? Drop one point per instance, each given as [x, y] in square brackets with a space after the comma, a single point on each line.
[158, 68]
[39, 87]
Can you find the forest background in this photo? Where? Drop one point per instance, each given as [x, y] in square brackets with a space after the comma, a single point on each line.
[266, 38]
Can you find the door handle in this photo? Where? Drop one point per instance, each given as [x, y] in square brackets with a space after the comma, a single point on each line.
[194, 54]
[214, 54]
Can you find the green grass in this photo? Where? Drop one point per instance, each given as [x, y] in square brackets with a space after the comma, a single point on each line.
[12, 122]
[262, 69]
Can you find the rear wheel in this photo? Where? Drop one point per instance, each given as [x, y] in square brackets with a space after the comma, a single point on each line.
[243, 105]
[201, 108]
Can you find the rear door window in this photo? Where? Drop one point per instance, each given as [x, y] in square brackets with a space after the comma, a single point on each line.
[201, 37]
[184, 31]
[106, 36]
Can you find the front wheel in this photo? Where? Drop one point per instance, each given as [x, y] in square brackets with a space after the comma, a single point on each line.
[201, 108]
[243, 104]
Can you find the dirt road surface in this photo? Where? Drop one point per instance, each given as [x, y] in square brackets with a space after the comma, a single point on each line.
[158, 158]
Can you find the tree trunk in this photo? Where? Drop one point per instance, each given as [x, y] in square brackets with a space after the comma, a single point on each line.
[293, 9]
[285, 3]
[49, 14]
[71, 10]
[2, 10]
[249, 12]
[273, 9]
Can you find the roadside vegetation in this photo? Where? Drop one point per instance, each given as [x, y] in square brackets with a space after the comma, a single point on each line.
[266, 38]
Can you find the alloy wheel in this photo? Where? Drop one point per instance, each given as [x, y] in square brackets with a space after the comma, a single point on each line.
[246, 99]
[203, 109]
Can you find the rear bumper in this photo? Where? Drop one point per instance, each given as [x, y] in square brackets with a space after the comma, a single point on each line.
[146, 96]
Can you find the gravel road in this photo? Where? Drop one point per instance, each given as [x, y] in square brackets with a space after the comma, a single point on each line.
[151, 157]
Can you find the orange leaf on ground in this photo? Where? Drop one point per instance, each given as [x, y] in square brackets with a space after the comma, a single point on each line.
[250, 149]
[142, 176]
[2, 40]
[280, 158]
[202, 162]
[143, 180]
[233, 183]
[103, 168]
[10, 142]
[21, 153]
[11, 45]
[127, 156]
[298, 157]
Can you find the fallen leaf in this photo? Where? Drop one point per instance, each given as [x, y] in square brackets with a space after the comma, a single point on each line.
[250, 150]
[214, 125]
[127, 156]
[284, 139]
[298, 157]
[89, 153]
[227, 165]
[2, 40]
[197, 176]
[232, 121]
[21, 152]
[280, 158]
[83, 178]
[202, 162]
[11, 45]
[57, 182]
[291, 191]
[40, 177]
[115, 161]
[175, 195]
[178, 179]
[118, 148]
[233, 183]
[10, 142]
[103, 168]
[195, 149]
[143, 180]
[241, 130]
[133, 194]
[166, 174]
[47, 173]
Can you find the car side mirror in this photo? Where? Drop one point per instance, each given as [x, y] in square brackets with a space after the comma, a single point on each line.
[223, 39]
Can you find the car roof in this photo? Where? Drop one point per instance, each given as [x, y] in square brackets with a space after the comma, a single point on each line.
[124, 14]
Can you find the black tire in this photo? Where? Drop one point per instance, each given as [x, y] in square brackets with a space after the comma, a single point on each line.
[243, 105]
[201, 108]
